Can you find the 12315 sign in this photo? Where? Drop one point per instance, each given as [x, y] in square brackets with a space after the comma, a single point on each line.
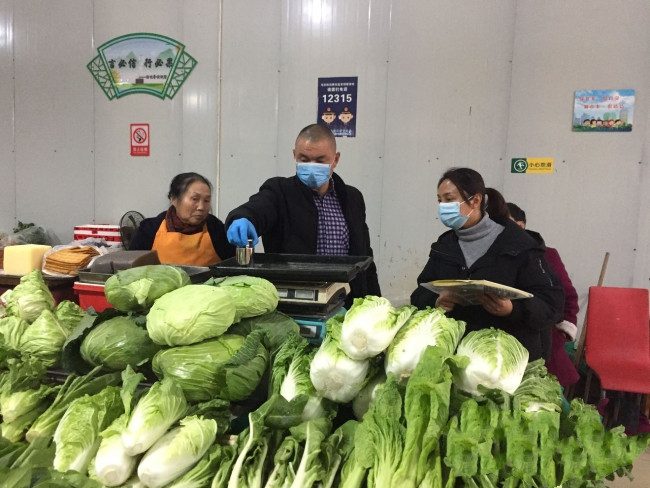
[337, 98]
[337, 105]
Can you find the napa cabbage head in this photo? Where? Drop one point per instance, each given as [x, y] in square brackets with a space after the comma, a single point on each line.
[30, 297]
[428, 327]
[177, 451]
[362, 402]
[538, 391]
[69, 314]
[18, 403]
[77, 436]
[290, 376]
[44, 338]
[112, 466]
[11, 329]
[228, 367]
[136, 289]
[496, 360]
[251, 295]
[370, 325]
[190, 314]
[162, 405]
[116, 343]
[333, 373]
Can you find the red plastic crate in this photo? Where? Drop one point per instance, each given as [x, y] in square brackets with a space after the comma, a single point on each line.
[91, 295]
[110, 233]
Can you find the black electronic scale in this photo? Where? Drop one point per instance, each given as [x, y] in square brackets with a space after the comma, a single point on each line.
[312, 288]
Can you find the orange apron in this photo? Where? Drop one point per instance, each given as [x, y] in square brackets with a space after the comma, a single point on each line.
[186, 249]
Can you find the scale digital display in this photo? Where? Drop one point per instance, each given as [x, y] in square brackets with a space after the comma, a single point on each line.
[283, 292]
[305, 294]
[298, 294]
[311, 293]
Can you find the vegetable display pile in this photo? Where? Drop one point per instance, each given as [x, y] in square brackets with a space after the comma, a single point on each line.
[209, 386]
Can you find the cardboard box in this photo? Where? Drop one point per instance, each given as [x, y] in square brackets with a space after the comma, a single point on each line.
[110, 233]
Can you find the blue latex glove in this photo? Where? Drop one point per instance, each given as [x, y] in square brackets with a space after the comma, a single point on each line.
[240, 231]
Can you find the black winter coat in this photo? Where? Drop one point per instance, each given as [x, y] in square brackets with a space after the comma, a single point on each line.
[514, 259]
[283, 212]
[146, 234]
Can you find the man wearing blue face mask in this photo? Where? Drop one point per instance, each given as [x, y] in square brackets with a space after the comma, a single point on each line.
[313, 212]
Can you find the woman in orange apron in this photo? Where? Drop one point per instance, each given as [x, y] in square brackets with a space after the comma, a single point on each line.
[187, 233]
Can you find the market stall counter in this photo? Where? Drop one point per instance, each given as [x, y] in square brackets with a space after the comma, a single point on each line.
[60, 287]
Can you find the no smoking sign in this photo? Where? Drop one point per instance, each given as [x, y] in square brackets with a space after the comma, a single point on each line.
[139, 139]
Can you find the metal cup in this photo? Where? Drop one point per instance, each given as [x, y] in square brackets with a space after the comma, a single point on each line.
[244, 255]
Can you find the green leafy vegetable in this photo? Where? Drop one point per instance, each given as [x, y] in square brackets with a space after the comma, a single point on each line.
[361, 402]
[12, 329]
[29, 297]
[276, 326]
[112, 466]
[44, 338]
[229, 367]
[538, 391]
[162, 405]
[116, 343]
[77, 435]
[74, 387]
[69, 314]
[428, 327]
[136, 289]
[210, 469]
[290, 376]
[177, 451]
[190, 315]
[251, 295]
[336, 376]
[379, 439]
[496, 360]
[370, 325]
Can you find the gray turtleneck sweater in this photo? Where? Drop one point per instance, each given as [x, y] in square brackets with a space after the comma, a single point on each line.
[475, 241]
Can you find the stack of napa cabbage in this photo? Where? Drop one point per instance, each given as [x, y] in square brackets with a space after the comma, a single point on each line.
[181, 328]
[32, 325]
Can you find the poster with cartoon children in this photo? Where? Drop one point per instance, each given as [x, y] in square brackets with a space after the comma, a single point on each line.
[337, 105]
[603, 110]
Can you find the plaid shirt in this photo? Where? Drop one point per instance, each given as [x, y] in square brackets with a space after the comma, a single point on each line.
[333, 233]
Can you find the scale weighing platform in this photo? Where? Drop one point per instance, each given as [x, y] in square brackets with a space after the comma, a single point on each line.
[312, 288]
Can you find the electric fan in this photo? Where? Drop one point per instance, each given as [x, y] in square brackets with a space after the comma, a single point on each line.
[129, 223]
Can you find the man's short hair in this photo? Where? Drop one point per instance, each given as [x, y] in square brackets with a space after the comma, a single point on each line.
[316, 133]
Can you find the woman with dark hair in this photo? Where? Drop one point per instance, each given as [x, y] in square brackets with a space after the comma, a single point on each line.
[186, 233]
[559, 362]
[496, 206]
[478, 247]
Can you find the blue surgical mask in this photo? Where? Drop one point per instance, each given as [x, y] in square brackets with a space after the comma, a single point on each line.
[449, 213]
[314, 175]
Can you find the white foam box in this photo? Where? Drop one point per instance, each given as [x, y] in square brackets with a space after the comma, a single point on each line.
[23, 258]
[109, 232]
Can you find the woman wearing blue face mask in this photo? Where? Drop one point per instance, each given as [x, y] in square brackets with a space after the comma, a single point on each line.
[483, 243]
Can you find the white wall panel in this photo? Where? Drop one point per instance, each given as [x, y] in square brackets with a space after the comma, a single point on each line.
[7, 154]
[248, 145]
[53, 94]
[447, 105]
[593, 201]
[185, 123]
